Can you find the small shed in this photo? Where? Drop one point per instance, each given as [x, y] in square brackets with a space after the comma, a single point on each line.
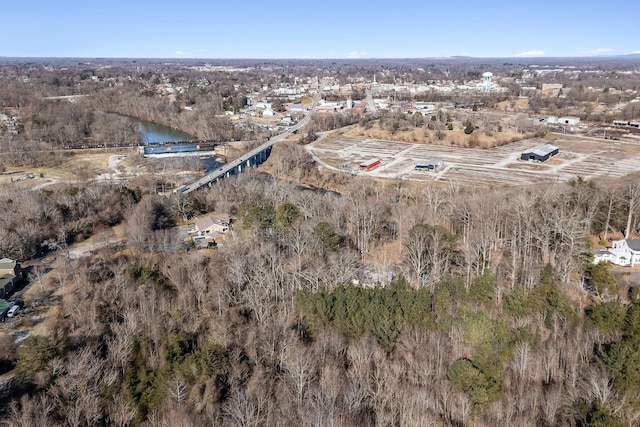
[540, 153]
[370, 164]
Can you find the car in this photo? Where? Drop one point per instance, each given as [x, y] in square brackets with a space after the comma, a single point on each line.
[13, 310]
[17, 302]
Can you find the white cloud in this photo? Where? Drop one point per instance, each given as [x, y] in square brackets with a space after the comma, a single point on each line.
[598, 51]
[636, 52]
[530, 53]
[357, 54]
[179, 52]
[464, 54]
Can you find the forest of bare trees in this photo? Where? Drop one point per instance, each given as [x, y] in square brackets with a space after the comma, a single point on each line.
[336, 301]
[483, 320]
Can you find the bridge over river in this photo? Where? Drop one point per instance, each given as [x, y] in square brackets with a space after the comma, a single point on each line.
[253, 157]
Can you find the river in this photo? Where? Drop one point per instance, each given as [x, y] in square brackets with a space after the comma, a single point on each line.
[154, 133]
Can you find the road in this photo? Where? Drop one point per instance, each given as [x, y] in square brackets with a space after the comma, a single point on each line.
[228, 167]
[370, 105]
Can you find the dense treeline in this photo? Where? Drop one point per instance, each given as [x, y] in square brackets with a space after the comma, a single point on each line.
[469, 308]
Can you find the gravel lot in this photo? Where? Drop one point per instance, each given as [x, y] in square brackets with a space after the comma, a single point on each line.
[481, 167]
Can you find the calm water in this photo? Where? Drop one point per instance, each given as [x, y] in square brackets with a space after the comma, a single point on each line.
[153, 132]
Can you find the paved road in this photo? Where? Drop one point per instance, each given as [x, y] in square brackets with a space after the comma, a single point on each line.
[371, 106]
[205, 180]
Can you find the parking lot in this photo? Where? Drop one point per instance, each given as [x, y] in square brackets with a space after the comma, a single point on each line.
[481, 167]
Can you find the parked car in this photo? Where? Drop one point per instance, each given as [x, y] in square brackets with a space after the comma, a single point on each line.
[17, 302]
[13, 310]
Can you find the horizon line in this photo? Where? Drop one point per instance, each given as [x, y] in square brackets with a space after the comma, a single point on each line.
[627, 55]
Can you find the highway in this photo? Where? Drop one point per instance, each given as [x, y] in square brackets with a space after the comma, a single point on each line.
[230, 166]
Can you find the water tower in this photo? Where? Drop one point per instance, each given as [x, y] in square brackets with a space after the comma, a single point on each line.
[486, 81]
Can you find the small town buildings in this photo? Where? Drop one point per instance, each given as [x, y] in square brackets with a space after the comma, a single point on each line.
[370, 164]
[540, 153]
[624, 252]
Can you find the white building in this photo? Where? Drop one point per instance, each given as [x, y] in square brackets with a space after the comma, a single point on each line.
[623, 252]
[487, 81]
[568, 120]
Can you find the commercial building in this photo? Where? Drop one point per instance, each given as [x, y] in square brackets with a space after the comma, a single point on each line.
[540, 153]
[429, 165]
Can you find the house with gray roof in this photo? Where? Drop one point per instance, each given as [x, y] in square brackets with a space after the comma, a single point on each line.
[623, 252]
[213, 224]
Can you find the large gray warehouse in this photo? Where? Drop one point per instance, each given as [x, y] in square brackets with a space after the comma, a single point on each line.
[540, 153]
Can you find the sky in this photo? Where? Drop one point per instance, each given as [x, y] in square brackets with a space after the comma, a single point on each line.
[303, 29]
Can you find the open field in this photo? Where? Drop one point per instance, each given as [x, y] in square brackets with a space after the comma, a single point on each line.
[480, 167]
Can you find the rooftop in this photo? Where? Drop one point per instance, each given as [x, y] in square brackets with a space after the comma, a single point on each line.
[208, 221]
[543, 150]
[634, 244]
[7, 264]
[5, 279]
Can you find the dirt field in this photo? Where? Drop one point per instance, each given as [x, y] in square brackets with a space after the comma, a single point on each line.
[480, 167]
[82, 165]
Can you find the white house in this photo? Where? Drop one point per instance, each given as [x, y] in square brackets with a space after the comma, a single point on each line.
[623, 252]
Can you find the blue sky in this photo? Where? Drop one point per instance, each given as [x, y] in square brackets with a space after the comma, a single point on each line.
[318, 29]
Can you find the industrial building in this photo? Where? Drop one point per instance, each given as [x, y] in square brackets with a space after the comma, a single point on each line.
[429, 165]
[540, 153]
